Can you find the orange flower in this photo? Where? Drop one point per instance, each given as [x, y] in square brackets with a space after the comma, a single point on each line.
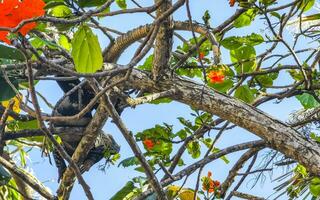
[12, 12]
[216, 76]
[216, 183]
[232, 2]
[148, 143]
[210, 185]
[201, 56]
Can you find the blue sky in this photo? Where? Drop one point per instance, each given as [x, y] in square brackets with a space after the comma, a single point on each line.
[104, 185]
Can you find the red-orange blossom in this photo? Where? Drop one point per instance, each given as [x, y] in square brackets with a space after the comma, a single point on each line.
[216, 76]
[12, 12]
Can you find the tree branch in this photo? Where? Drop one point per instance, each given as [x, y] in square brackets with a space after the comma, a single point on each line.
[27, 178]
[280, 136]
[136, 150]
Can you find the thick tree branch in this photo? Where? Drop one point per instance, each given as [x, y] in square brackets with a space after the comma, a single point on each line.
[280, 136]
[27, 178]
[163, 44]
[82, 150]
[246, 196]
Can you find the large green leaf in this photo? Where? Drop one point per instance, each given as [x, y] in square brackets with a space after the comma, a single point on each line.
[306, 5]
[61, 11]
[6, 90]
[122, 4]
[86, 51]
[307, 101]
[245, 18]
[127, 189]
[194, 149]
[10, 53]
[90, 3]
[54, 3]
[242, 54]
[267, 79]
[315, 186]
[234, 42]
[131, 161]
[222, 87]
[147, 65]
[64, 42]
[245, 94]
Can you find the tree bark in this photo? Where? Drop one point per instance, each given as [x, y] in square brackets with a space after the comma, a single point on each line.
[163, 44]
[279, 135]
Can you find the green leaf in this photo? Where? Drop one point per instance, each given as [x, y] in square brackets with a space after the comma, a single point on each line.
[242, 54]
[244, 93]
[206, 17]
[222, 87]
[23, 156]
[182, 134]
[86, 51]
[38, 42]
[161, 100]
[60, 11]
[224, 158]
[12, 193]
[275, 14]
[64, 42]
[245, 18]
[121, 194]
[234, 42]
[190, 72]
[10, 53]
[267, 2]
[122, 4]
[32, 124]
[301, 170]
[267, 79]
[306, 5]
[90, 3]
[131, 161]
[253, 39]
[5, 176]
[194, 149]
[147, 65]
[6, 91]
[315, 186]
[186, 122]
[307, 101]
[52, 4]
[315, 137]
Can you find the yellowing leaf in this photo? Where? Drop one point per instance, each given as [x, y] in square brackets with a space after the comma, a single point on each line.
[187, 194]
[15, 107]
[184, 193]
